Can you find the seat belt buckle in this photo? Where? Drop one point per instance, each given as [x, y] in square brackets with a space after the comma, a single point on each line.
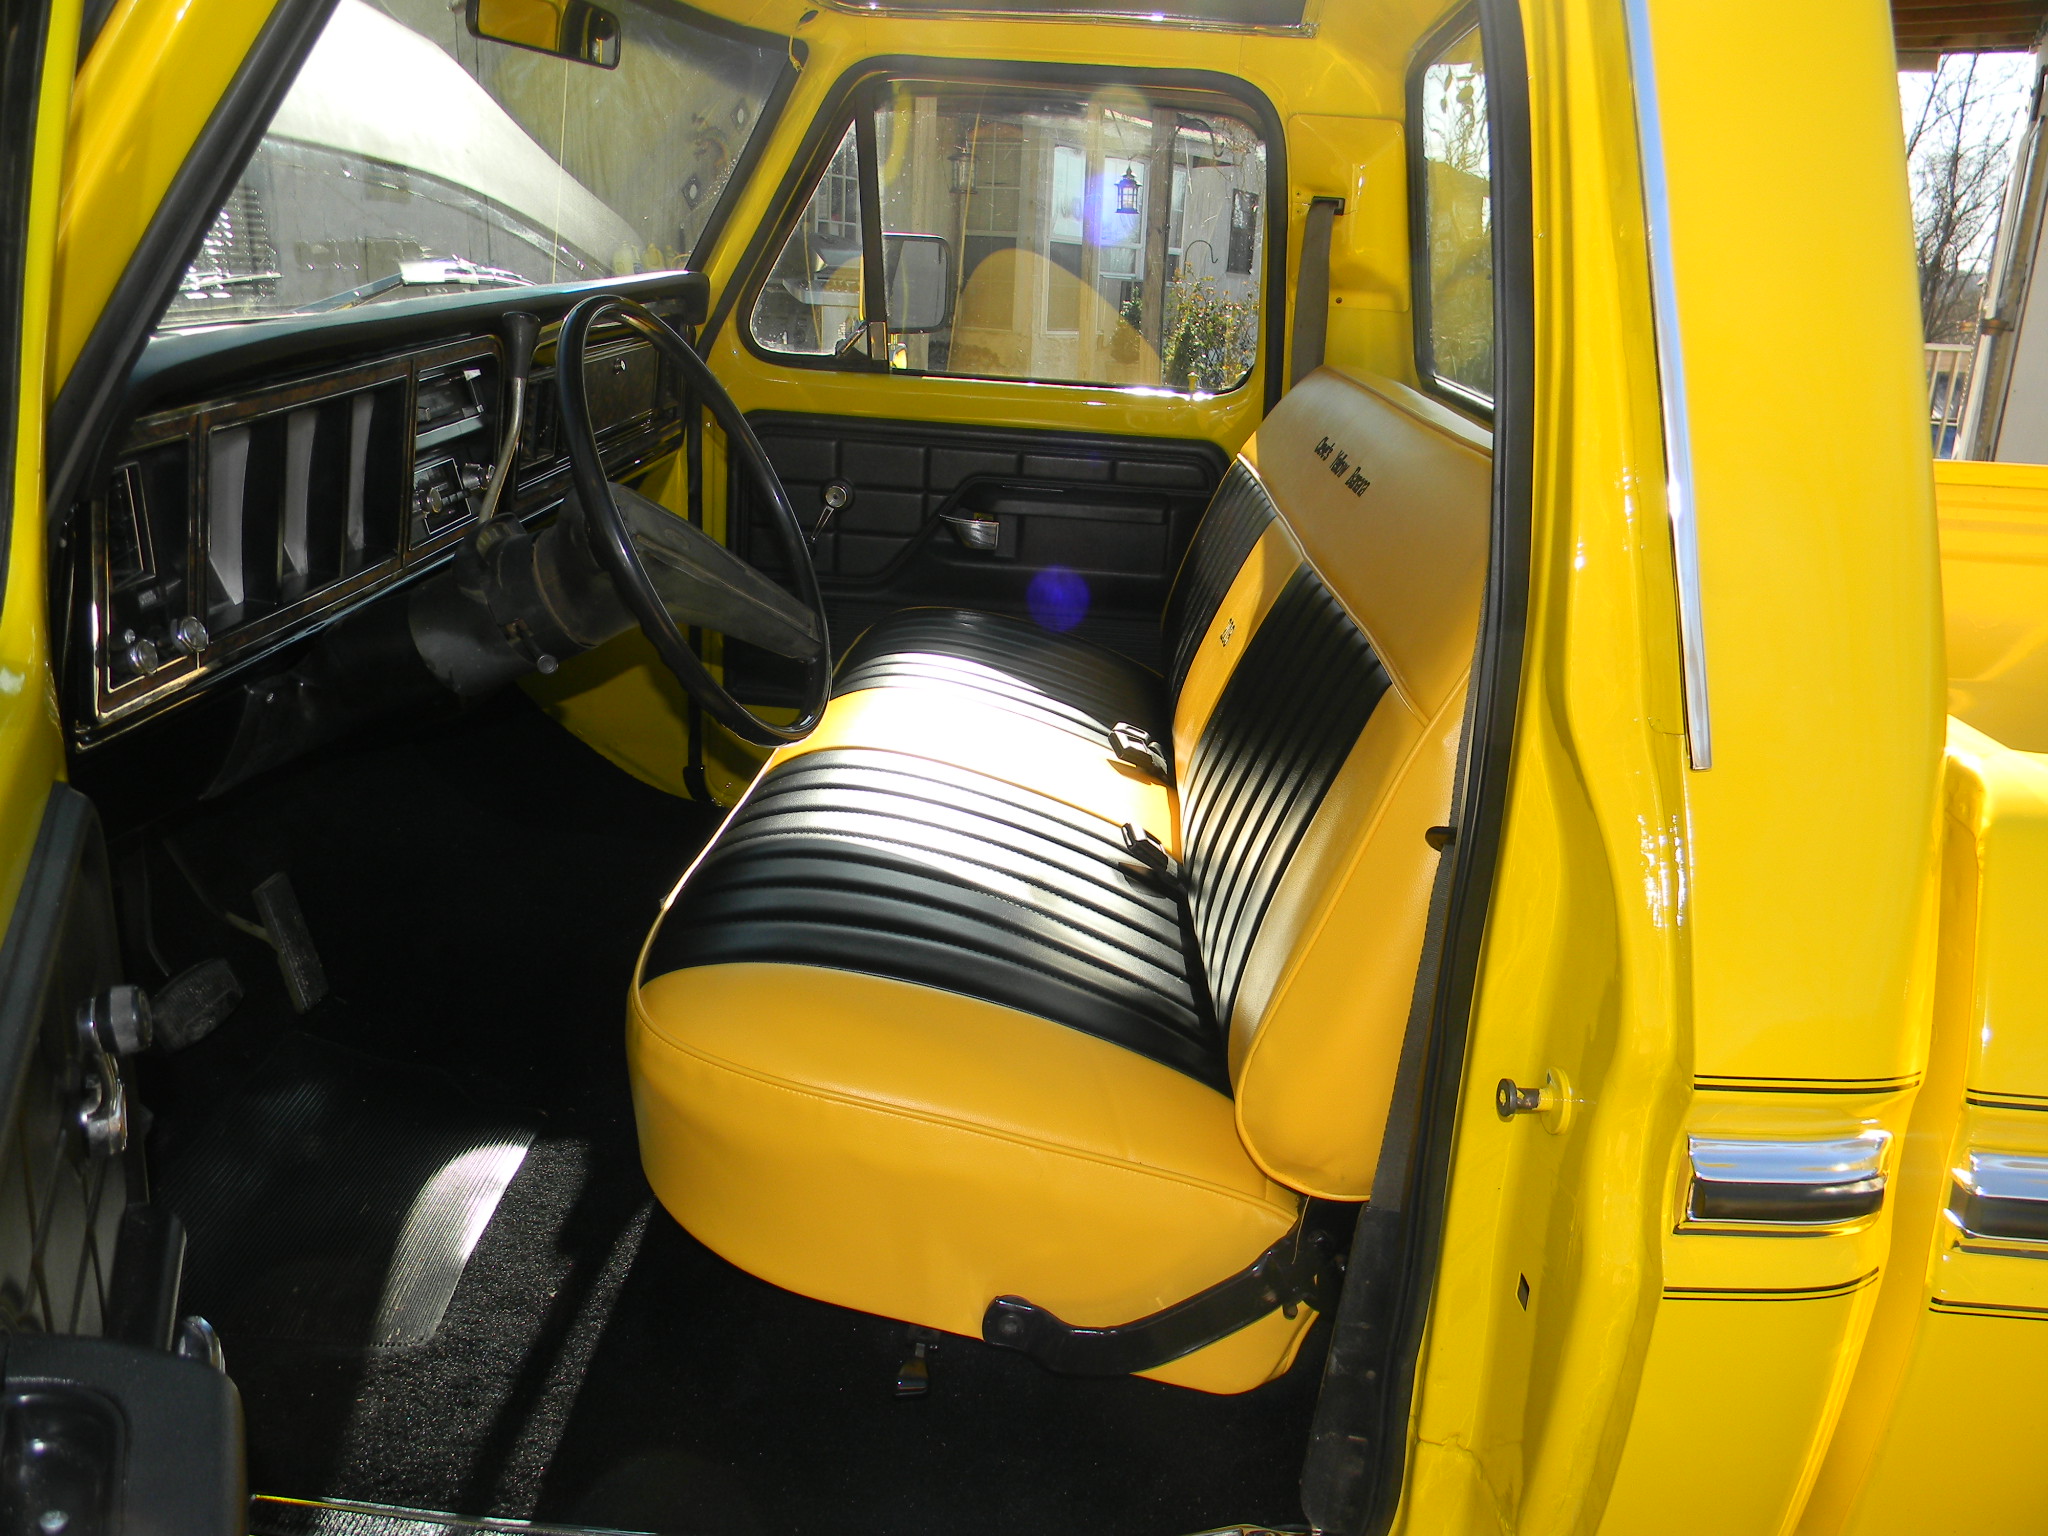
[1133, 744]
[1153, 859]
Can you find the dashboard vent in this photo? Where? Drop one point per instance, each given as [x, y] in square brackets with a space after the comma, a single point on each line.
[300, 499]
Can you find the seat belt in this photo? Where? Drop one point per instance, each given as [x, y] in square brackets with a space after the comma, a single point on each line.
[1312, 290]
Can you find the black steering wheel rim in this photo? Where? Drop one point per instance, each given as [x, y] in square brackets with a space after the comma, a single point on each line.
[613, 541]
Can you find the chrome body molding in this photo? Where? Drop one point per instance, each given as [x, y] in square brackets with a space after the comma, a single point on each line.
[2002, 1196]
[1804, 1183]
[1678, 472]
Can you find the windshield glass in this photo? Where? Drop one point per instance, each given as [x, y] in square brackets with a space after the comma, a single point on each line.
[410, 157]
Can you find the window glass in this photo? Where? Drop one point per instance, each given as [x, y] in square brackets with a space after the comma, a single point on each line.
[1457, 219]
[411, 157]
[812, 299]
[1103, 239]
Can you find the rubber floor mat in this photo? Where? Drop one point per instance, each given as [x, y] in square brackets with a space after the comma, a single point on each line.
[336, 1517]
[336, 1198]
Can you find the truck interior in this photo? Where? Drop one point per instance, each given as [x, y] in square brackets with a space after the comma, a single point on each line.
[781, 868]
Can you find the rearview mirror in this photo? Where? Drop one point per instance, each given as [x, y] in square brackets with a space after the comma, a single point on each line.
[919, 269]
[568, 29]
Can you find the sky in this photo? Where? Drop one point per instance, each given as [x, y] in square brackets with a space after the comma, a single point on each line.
[2005, 81]
[2007, 78]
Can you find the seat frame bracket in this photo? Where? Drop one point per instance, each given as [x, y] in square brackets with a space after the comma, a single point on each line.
[1296, 1271]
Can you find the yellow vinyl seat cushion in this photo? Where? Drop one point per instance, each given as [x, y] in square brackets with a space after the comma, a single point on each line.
[905, 1177]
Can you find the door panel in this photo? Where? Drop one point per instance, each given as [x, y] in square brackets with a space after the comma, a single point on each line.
[1079, 532]
[61, 1198]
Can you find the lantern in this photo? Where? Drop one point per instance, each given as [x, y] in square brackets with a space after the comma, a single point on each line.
[1127, 191]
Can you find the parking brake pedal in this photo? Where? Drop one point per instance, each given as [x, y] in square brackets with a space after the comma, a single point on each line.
[194, 1003]
[305, 978]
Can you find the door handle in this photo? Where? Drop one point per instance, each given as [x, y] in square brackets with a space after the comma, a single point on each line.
[2002, 1195]
[115, 1024]
[1787, 1183]
[977, 533]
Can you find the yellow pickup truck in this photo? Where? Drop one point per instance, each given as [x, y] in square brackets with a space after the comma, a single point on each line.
[1144, 766]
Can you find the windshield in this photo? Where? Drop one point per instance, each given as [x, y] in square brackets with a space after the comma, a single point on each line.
[410, 157]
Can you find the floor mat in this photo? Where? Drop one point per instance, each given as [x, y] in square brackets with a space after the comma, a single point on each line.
[336, 1199]
[335, 1517]
[712, 1391]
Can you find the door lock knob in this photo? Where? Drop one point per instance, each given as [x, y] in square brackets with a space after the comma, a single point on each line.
[1553, 1101]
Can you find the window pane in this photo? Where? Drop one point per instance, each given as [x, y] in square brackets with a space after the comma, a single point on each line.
[407, 150]
[1458, 217]
[1070, 260]
[812, 299]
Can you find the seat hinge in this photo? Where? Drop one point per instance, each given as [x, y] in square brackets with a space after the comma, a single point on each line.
[1297, 1271]
[1135, 745]
[1161, 867]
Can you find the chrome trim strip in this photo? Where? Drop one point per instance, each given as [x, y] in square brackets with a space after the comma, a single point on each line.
[1081, 12]
[2002, 1197]
[2007, 1176]
[1763, 1185]
[1678, 472]
[1809, 1164]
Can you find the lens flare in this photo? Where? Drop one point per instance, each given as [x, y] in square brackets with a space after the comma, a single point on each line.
[1058, 598]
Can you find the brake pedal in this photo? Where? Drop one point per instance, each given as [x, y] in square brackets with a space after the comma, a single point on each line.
[194, 1003]
[305, 978]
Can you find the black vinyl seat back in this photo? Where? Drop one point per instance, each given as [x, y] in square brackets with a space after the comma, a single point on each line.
[1282, 728]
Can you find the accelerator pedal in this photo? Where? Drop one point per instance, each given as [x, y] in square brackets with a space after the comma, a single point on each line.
[284, 927]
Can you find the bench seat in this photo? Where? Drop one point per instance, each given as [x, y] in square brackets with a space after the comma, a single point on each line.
[967, 1000]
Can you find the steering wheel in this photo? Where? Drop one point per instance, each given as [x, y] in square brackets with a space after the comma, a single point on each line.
[670, 573]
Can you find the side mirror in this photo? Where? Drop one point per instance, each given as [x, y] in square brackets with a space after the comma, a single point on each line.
[568, 29]
[919, 270]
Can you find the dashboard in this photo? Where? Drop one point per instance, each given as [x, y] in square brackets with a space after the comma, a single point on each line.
[274, 476]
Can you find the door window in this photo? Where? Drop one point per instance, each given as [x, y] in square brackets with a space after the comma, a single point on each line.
[1453, 189]
[1104, 238]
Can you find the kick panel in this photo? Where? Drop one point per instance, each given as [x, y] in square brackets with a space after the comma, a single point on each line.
[1078, 532]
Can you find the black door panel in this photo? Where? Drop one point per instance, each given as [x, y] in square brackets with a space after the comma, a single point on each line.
[61, 1198]
[1087, 531]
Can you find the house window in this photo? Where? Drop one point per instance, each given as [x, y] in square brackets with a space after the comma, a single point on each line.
[836, 208]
